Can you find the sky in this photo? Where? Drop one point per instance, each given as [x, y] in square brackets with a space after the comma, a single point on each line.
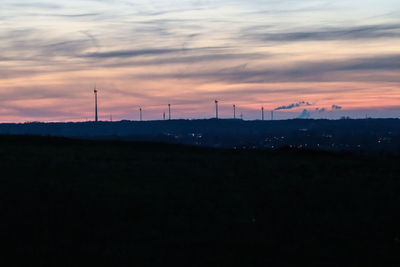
[301, 58]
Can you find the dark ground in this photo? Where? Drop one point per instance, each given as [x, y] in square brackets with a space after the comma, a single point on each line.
[141, 204]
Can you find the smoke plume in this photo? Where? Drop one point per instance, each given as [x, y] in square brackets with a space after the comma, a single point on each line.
[295, 105]
[304, 114]
[336, 107]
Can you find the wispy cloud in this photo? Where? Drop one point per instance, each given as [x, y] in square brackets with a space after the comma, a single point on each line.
[133, 53]
[318, 71]
[330, 33]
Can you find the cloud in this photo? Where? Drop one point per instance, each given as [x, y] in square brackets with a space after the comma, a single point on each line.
[336, 107]
[30, 44]
[146, 52]
[190, 59]
[295, 105]
[132, 53]
[37, 5]
[351, 69]
[304, 114]
[331, 34]
[320, 110]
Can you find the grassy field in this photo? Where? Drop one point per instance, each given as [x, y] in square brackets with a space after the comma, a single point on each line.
[135, 204]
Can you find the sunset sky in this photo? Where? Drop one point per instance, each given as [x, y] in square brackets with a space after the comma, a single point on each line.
[343, 54]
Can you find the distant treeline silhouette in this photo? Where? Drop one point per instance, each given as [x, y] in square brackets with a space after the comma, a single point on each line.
[347, 134]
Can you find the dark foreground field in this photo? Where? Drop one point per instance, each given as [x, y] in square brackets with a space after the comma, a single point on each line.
[71, 203]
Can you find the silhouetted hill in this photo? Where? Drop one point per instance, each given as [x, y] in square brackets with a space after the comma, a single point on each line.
[368, 135]
[147, 204]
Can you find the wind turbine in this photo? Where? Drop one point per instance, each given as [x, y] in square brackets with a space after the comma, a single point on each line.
[216, 109]
[95, 104]
[262, 113]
